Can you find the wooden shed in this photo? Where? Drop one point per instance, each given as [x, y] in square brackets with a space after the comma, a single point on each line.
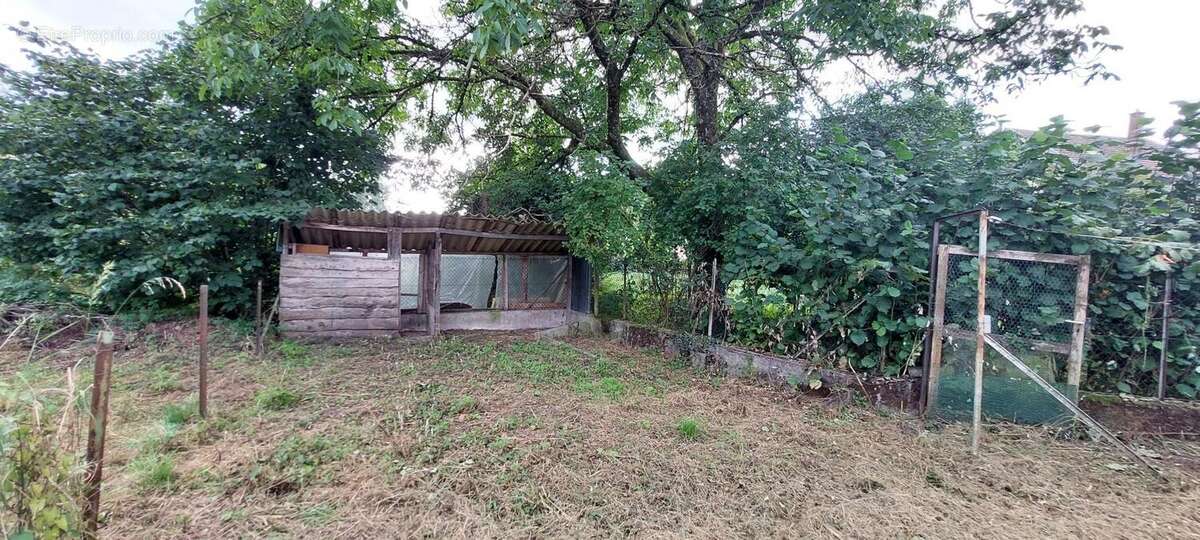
[347, 273]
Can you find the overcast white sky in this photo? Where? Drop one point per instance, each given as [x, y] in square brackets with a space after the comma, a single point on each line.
[1157, 66]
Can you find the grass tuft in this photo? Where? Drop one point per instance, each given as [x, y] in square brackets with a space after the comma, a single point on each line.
[162, 379]
[153, 471]
[689, 428]
[274, 398]
[175, 415]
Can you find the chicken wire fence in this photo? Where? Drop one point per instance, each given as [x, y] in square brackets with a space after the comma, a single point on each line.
[1130, 352]
[503, 282]
[672, 293]
[1030, 308]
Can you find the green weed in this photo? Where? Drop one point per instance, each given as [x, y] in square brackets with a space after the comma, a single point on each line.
[315, 516]
[295, 463]
[689, 428]
[274, 398]
[176, 415]
[294, 354]
[464, 404]
[237, 514]
[162, 379]
[608, 387]
[153, 471]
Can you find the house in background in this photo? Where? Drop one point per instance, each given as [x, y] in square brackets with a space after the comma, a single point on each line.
[1134, 143]
[350, 273]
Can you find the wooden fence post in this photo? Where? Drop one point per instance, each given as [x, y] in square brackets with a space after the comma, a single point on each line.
[97, 430]
[258, 321]
[980, 330]
[435, 287]
[203, 365]
[934, 364]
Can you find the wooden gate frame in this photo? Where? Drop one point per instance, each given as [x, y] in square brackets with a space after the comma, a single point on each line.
[1074, 349]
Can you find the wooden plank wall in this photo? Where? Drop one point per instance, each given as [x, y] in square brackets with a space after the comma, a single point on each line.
[323, 296]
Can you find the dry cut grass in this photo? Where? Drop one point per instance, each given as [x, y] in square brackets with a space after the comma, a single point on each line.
[506, 436]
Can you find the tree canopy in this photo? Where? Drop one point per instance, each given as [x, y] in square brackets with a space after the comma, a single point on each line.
[561, 76]
[118, 171]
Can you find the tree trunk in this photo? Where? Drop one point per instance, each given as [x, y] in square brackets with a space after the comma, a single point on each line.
[706, 104]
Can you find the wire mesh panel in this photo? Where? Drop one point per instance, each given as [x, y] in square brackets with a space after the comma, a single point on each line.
[537, 281]
[410, 281]
[468, 281]
[1030, 309]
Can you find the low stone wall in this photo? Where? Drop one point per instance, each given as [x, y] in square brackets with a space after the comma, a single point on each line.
[730, 360]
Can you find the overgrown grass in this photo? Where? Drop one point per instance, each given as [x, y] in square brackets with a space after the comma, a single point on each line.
[296, 462]
[274, 398]
[153, 471]
[552, 363]
[162, 379]
[293, 354]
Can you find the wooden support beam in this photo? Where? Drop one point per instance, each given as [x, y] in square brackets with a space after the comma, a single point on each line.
[1079, 323]
[503, 261]
[394, 243]
[435, 231]
[1020, 255]
[435, 278]
[980, 332]
[285, 233]
[396, 253]
[939, 323]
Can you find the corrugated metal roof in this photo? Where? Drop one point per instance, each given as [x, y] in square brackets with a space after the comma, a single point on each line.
[376, 239]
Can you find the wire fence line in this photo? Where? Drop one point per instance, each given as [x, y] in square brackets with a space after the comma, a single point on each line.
[1127, 342]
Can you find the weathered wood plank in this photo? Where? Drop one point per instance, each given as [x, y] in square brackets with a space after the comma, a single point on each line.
[337, 263]
[1079, 320]
[339, 301]
[395, 243]
[436, 230]
[340, 334]
[315, 273]
[1018, 255]
[319, 325]
[322, 283]
[338, 313]
[435, 290]
[302, 292]
[939, 320]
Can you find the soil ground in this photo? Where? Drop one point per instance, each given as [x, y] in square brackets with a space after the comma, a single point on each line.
[509, 436]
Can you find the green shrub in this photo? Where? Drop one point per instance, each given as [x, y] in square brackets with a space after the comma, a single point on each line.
[276, 399]
[40, 477]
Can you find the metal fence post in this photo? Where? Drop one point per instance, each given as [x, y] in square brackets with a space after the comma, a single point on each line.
[1166, 340]
[203, 363]
[258, 321]
[713, 299]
